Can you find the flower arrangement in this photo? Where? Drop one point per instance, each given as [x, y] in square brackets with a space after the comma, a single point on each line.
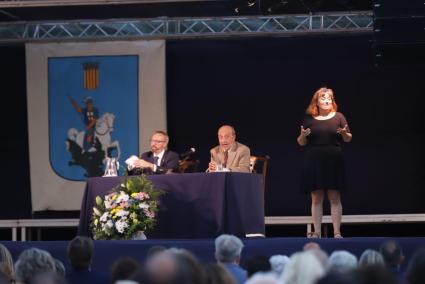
[131, 207]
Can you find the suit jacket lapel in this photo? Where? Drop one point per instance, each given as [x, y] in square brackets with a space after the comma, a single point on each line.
[232, 155]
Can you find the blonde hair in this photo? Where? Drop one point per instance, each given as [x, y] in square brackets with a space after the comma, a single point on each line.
[6, 262]
[313, 108]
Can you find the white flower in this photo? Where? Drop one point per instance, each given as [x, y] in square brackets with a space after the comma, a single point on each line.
[120, 226]
[122, 213]
[96, 211]
[107, 204]
[144, 205]
[104, 217]
[109, 224]
[122, 197]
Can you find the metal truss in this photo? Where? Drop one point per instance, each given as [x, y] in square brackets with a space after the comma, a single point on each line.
[185, 28]
[51, 3]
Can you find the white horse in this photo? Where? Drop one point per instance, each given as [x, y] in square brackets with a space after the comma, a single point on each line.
[103, 129]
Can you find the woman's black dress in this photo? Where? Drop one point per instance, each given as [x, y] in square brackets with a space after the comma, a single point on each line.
[323, 164]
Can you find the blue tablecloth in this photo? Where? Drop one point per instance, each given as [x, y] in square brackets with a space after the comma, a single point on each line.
[196, 205]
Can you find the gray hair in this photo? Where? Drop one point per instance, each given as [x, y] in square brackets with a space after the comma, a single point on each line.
[59, 267]
[342, 260]
[302, 268]
[227, 248]
[371, 257]
[48, 278]
[278, 262]
[32, 262]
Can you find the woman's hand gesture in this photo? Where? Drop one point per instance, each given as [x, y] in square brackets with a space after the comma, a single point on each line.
[305, 132]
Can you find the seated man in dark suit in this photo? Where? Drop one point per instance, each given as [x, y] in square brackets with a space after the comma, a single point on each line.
[159, 160]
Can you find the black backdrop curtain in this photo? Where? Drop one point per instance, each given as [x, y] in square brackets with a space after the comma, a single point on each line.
[262, 87]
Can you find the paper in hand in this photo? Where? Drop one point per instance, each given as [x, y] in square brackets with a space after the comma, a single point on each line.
[130, 162]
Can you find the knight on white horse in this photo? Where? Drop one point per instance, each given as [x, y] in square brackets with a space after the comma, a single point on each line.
[103, 129]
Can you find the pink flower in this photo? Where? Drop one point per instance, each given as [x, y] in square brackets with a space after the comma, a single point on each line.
[149, 214]
[142, 195]
[124, 204]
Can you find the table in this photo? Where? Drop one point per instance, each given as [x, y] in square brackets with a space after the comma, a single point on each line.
[196, 205]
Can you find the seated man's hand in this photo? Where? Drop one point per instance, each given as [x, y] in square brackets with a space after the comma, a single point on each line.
[140, 163]
[212, 167]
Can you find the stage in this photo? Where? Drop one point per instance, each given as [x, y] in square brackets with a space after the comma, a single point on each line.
[108, 251]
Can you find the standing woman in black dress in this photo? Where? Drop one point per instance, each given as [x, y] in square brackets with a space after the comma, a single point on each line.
[322, 132]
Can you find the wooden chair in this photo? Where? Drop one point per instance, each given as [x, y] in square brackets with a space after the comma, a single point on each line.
[260, 164]
[188, 166]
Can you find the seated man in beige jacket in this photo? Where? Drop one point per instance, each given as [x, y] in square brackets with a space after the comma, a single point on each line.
[229, 155]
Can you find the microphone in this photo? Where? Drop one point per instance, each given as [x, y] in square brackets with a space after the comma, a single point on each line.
[188, 153]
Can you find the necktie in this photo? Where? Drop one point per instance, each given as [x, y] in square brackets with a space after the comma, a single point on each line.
[155, 160]
[226, 156]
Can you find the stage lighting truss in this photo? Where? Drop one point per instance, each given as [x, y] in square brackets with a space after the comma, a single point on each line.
[185, 28]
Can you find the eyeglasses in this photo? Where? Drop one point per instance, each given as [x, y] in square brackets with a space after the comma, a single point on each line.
[157, 141]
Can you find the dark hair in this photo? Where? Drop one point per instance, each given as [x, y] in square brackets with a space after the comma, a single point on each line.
[373, 275]
[336, 277]
[256, 264]
[123, 268]
[416, 271]
[80, 252]
[392, 253]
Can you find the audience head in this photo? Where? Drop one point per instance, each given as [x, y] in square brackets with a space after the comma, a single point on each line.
[80, 252]
[371, 257]
[32, 262]
[153, 250]
[59, 267]
[256, 264]
[302, 268]
[226, 137]
[336, 277]
[141, 276]
[373, 275]
[174, 266]
[123, 268]
[217, 274]
[278, 263]
[263, 278]
[342, 260]
[416, 271]
[311, 246]
[6, 262]
[317, 251]
[392, 253]
[4, 279]
[159, 141]
[48, 278]
[228, 248]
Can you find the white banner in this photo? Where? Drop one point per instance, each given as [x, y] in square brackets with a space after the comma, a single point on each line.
[63, 79]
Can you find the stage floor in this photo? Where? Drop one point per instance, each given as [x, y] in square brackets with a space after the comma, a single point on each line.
[108, 251]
